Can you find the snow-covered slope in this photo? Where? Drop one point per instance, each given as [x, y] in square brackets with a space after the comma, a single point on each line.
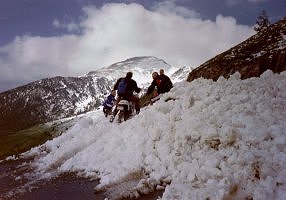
[202, 140]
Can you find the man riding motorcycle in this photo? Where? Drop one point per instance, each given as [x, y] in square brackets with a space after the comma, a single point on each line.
[125, 87]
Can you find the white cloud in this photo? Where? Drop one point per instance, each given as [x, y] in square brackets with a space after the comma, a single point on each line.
[71, 27]
[171, 7]
[56, 23]
[116, 32]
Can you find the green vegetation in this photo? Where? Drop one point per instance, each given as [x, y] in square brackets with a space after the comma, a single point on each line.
[16, 142]
[145, 99]
[13, 143]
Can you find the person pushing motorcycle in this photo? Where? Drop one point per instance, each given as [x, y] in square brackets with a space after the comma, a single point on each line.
[125, 87]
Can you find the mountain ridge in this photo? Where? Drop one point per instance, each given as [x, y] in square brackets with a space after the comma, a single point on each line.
[60, 97]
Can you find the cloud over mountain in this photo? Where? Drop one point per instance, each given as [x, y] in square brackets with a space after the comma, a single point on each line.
[115, 32]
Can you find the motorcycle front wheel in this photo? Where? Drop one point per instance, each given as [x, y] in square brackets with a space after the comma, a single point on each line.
[121, 116]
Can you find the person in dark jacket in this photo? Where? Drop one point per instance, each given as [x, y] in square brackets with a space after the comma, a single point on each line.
[166, 79]
[130, 87]
[162, 82]
[109, 103]
[128, 93]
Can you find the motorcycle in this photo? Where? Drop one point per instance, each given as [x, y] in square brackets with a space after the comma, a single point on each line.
[126, 109]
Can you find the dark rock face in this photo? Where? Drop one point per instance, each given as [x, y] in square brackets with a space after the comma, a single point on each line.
[265, 50]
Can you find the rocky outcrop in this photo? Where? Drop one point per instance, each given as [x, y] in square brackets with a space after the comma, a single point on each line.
[265, 50]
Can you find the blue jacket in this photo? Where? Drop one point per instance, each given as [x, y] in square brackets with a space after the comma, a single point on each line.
[109, 102]
[130, 88]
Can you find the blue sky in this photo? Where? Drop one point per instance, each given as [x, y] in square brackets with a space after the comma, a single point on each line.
[45, 38]
[35, 17]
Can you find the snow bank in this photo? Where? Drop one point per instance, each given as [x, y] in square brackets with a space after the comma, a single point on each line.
[204, 139]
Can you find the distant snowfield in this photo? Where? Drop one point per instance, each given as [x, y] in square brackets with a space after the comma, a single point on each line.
[215, 140]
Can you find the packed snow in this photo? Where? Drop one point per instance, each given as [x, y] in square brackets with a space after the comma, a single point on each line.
[202, 140]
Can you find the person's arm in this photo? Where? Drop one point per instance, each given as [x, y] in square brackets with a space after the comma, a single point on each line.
[151, 87]
[170, 82]
[112, 100]
[137, 89]
[115, 87]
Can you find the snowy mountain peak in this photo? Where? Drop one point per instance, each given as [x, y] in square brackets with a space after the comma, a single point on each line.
[142, 68]
[148, 63]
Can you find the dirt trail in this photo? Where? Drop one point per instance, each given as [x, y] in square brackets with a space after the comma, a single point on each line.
[66, 186]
